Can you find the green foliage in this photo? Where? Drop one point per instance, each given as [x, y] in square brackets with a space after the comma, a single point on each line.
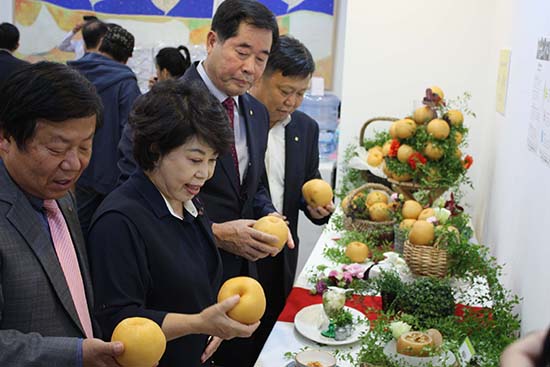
[351, 178]
[336, 255]
[343, 318]
[373, 239]
[427, 298]
[388, 282]
[448, 171]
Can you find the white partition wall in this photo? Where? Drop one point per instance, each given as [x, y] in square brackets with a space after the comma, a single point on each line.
[393, 50]
[6, 11]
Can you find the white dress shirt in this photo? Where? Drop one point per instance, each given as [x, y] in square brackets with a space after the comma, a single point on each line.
[188, 205]
[275, 163]
[239, 125]
[70, 45]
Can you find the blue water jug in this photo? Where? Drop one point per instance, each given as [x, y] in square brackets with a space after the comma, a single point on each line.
[323, 108]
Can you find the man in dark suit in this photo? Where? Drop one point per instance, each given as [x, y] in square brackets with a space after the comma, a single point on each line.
[292, 158]
[48, 118]
[238, 46]
[9, 42]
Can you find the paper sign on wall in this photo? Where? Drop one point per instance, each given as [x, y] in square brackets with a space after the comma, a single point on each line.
[502, 80]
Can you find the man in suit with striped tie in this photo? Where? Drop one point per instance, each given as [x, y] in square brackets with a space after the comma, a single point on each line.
[48, 117]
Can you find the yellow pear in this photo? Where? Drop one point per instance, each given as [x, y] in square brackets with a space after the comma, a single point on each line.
[423, 115]
[376, 196]
[458, 137]
[411, 209]
[375, 157]
[438, 91]
[143, 339]
[405, 128]
[357, 252]
[404, 152]
[407, 224]
[393, 133]
[422, 233]
[274, 226]
[455, 117]
[379, 212]
[439, 129]
[376, 148]
[345, 204]
[386, 148]
[433, 152]
[426, 213]
[317, 192]
[252, 304]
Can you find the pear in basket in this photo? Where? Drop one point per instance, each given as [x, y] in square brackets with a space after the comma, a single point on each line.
[411, 209]
[422, 233]
[376, 196]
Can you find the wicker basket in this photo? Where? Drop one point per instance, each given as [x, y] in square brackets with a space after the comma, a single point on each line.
[363, 225]
[368, 176]
[409, 188]
[426, 260]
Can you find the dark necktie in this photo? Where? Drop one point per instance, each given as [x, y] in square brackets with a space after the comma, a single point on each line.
[229, 105]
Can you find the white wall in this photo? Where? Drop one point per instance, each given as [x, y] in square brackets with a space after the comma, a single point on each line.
[517, 218]
[394, 50]
[6, 11]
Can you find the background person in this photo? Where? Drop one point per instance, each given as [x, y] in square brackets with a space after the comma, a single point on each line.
[117, 86]
[93, 31]
[292, 159]
[9, 42]
[171, 63]
[528, 351]
[151, 248]
[48, 117]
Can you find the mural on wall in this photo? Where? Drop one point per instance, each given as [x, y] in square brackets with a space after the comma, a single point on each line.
[159, 23]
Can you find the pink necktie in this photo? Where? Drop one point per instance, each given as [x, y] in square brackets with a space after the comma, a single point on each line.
[229, 105]
[66, 254]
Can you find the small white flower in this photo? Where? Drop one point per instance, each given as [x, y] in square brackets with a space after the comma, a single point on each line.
[442, 215]
[439, 203]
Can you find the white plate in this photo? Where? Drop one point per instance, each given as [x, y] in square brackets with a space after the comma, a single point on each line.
[306, 322]
[446, 359]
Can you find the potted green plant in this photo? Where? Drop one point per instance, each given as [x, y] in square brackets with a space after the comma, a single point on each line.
[390, 286]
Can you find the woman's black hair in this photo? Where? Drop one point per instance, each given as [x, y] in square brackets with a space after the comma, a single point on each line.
[171, 59]
[170, 114]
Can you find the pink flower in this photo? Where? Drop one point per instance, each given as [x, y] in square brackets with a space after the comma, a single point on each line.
[356, 270]
[335, 274]
[432, 220]
[348, 277]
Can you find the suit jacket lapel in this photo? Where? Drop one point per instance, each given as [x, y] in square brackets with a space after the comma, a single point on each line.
[25, 219]
[22, 217]
[292, 152]
[226, 162]
[249, 120]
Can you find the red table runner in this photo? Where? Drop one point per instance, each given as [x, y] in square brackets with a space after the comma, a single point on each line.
[300, 298]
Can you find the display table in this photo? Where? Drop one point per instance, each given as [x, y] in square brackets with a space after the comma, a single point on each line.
[284, 337]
